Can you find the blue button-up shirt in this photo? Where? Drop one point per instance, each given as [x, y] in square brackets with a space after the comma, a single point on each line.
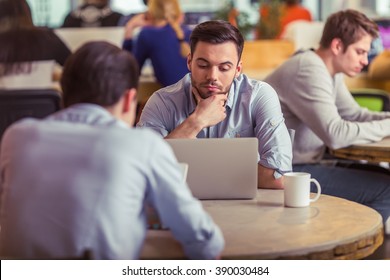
[80, 179]
[252, 108]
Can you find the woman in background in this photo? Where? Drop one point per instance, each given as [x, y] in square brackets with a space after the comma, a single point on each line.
[162, 39]
[22, 43]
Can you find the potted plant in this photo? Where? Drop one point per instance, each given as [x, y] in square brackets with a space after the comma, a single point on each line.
[237, 18]
[269, 25]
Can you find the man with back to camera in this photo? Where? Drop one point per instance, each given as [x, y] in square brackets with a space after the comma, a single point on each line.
[79, 180]
[216, 101]
[319, 107]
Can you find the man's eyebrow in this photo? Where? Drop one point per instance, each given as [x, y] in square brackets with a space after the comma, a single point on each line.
[222, 63]
[202, 60]
[362, 50]
[226, 63]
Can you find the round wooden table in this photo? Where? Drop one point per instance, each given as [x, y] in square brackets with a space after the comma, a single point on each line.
[262, 228]
[372, 152]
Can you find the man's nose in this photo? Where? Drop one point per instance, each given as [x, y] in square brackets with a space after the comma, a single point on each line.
[212, 74]
[365, 60]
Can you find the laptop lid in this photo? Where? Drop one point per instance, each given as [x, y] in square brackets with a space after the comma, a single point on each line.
[219, 168]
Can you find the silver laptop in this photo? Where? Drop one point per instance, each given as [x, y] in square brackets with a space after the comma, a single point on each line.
[219, 168]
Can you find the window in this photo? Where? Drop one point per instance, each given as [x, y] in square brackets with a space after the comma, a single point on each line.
[49, 13]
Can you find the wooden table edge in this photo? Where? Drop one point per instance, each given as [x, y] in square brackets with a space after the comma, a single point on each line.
[356, 249]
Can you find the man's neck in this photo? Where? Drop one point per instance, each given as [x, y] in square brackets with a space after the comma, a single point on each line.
[327, 58]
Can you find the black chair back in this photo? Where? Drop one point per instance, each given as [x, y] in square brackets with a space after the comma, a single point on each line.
[21, 103]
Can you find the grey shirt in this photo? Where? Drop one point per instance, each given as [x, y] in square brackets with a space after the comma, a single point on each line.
[321, 109]
[252, 109]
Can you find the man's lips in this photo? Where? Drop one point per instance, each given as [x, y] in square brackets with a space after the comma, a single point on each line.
[211, 88]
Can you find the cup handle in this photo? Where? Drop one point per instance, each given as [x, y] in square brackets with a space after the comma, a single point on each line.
[318, 190]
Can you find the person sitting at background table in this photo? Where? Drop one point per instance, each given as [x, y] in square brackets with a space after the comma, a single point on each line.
[291, 11]
[162, 39]
[317, 104]
[79, 179]
[216, 101]
[22, 43]
[93, 13]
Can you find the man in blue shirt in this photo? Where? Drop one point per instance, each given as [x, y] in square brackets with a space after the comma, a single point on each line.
[80, 179]
[215, 100]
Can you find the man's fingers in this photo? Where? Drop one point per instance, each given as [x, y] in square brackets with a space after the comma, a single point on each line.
[196, 95]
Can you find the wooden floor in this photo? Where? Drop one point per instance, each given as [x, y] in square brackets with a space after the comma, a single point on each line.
[383, 252]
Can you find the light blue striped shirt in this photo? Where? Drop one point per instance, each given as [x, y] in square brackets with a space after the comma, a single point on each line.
[253, 110]
[79, 180]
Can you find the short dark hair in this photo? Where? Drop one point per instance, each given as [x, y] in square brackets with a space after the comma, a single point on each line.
[349, 26]
[98, 73]
[216, 32]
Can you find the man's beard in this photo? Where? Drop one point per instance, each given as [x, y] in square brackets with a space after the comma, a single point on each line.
[208, 94]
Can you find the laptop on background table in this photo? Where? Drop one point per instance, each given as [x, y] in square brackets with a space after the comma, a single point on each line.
[219, 168]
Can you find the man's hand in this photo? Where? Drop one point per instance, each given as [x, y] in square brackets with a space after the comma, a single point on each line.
[139, 20]
[208, 112]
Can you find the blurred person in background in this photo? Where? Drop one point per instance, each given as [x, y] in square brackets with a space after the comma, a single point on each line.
[162, 39]
[292, 10]
[22, 43]
[93, 13]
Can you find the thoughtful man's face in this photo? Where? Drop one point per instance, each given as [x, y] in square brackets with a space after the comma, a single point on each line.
[213, 68]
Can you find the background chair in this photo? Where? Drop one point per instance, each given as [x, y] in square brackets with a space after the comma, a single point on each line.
[21, 103]
[304, 34]
[373, 99]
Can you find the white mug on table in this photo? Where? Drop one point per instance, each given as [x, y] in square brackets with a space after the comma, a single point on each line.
[297, 189]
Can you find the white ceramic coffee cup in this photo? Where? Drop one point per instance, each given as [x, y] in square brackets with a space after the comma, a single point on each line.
[297, 189]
